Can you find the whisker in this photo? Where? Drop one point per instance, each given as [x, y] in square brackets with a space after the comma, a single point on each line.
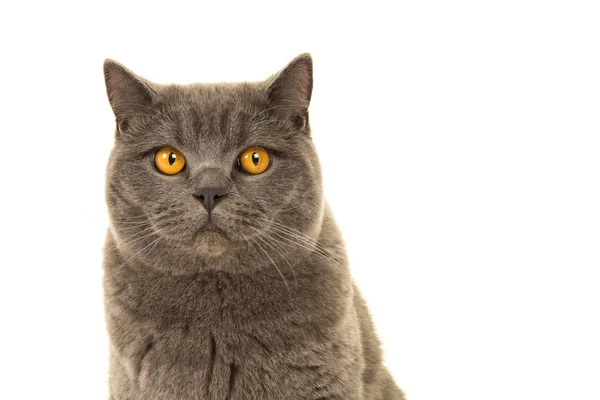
[291, 208]
[151, 244]
[272, 246]
[272, 262]
[305, 236]
[132, 224]
[144, 234]
[284, 229]
[139, 226]
[130, 220]
[294, 240]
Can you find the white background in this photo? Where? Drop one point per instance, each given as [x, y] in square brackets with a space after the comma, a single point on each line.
[460, 145]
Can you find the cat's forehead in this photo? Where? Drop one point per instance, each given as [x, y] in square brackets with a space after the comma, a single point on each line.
[207, 113]
[213, 98]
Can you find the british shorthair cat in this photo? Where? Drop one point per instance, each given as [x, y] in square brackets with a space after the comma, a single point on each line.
[225, 276]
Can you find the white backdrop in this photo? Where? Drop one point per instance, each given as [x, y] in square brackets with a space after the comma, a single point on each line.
[460, 145]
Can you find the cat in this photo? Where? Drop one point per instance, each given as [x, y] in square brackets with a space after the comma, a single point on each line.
[225, 276]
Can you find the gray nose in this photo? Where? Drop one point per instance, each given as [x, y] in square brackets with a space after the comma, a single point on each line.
[210, 196]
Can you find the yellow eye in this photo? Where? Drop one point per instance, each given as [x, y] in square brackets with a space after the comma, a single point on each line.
[169, 161]
[255, 160]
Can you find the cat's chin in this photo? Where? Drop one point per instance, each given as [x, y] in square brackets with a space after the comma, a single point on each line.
[211, 243]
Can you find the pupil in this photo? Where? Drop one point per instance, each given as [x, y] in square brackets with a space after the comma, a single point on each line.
[255, 159]
[172, 158]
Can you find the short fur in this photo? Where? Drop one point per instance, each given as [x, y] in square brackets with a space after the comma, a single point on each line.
[255, 300]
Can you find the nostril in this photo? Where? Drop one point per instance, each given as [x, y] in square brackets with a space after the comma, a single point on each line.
[217, 198]
[210, 196]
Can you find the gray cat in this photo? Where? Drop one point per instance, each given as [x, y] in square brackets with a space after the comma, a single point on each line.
[225, 274]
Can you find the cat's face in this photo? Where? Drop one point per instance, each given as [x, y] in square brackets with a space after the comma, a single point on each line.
[201, 206]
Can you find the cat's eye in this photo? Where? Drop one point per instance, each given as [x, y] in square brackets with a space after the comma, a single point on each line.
[169, 161]
[254, 160]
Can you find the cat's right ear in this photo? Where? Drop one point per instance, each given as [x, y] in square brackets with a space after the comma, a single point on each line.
[128, 94]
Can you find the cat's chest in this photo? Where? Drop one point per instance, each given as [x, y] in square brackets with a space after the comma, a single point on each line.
[216, 338]
[227, 362]
[216, 354]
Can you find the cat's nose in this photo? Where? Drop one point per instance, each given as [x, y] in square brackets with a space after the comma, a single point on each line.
[210, 196]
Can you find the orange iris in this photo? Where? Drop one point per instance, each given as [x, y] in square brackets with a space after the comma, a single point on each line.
[169, 161]
[255, 160]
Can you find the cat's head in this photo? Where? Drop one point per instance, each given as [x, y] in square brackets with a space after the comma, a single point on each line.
[213, 175]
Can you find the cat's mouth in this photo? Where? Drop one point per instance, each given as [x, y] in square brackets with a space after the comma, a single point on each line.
[209, 228]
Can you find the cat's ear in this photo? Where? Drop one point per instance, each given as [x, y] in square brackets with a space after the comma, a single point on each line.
[128, 94]
[290, 90]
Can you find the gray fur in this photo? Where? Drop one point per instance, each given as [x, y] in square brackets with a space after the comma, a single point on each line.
[261, 305]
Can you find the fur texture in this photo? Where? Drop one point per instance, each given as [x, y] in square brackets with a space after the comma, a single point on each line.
[253, 300]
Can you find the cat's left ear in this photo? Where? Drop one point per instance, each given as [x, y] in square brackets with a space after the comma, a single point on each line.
[128, 94]
[290, 90]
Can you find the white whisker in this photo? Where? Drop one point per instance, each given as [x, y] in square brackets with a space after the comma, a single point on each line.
[272, 246]
[272, 262]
